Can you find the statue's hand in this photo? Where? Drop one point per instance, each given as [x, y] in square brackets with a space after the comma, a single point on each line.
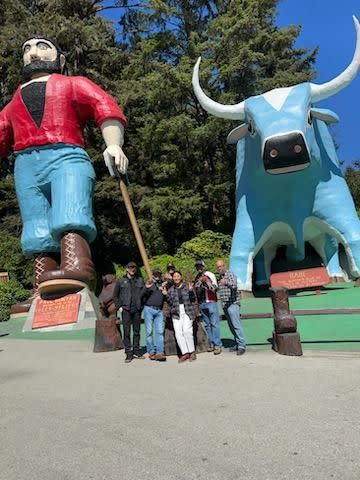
[116, 154]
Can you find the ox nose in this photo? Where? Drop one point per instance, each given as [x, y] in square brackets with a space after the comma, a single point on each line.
[286, 153]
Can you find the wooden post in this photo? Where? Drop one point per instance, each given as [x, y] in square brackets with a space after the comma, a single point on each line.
[107, 336]
[286, 340]
[135, 227]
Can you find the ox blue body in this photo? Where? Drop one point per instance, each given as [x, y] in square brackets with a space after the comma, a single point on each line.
[313, 204]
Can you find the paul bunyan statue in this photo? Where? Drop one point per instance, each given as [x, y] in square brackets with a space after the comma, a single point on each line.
[43, 124]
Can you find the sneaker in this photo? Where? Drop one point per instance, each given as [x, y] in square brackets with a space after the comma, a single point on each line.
[192, 357]
[160, 357]
[183, 358]
[138, 356]
[152, 356]
[217, 351]
[128, 358]
[240, 351]
[210, 348]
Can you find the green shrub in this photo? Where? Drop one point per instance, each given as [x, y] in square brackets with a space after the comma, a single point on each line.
[10, 292]
[13, 261]
[208, 244]
[160, 261]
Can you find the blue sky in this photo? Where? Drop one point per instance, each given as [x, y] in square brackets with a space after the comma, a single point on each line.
[329, 25]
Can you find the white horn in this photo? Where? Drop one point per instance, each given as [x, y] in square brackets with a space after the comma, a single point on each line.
[320, 92]
[233, 112]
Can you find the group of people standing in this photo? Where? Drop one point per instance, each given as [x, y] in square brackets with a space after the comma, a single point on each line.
[183, 301]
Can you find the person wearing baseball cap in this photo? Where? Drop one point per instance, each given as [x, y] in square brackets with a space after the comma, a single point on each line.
[153, 299]
[199, 263]
[205, 288]
[168, 276]
[128, 296]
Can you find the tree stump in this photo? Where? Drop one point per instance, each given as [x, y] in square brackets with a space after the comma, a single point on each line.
[171, 346]
[286, 340]
[200, 337]
[107, 336]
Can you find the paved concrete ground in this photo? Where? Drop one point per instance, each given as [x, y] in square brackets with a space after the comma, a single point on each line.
[66, 413]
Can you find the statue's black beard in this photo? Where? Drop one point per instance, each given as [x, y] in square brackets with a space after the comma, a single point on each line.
[42, 66]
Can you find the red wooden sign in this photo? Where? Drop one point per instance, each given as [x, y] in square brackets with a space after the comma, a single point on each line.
[310, 277]
[61, 311]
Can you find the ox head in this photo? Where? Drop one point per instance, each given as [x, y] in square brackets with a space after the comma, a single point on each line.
[282, 117]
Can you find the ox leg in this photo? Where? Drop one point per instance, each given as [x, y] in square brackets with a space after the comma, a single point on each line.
[242, 248]
[263, 262]
[336, 211]
[328, 249]
[352, 249]
[348, 233]
[293, 254]
[296, 251]
[260, 270]
[269, 255]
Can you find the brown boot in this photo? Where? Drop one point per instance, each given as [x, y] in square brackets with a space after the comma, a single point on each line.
[42, 263]
[76, 262]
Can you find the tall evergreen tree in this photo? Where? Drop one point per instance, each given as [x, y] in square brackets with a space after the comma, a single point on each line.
[181, 170]
[352, 177]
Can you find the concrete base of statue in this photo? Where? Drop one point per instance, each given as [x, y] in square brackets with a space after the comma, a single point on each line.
[62, 286]
[63, 311]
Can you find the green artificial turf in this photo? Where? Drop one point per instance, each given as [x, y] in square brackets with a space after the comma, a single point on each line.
[323, 332]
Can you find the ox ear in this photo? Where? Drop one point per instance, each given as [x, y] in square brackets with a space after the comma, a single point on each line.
[237, 134]
[324, 114]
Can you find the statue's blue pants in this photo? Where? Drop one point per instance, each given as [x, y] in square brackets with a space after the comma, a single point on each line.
[54, 186]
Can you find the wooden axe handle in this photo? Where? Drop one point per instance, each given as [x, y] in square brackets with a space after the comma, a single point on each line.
[135, 227]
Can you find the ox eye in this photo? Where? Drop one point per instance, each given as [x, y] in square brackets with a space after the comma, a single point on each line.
[251, 129]
[310, 120]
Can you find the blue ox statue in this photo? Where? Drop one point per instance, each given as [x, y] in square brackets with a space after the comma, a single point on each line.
[289, 186]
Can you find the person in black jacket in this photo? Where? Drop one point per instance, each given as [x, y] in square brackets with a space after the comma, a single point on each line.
[128, 293]
[153, 299]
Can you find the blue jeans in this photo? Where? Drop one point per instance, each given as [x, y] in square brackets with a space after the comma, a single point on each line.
[54, 186]
[232, 314]
[154, 317]
[211, 319]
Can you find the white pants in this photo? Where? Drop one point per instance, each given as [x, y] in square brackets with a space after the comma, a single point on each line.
[184, 331]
